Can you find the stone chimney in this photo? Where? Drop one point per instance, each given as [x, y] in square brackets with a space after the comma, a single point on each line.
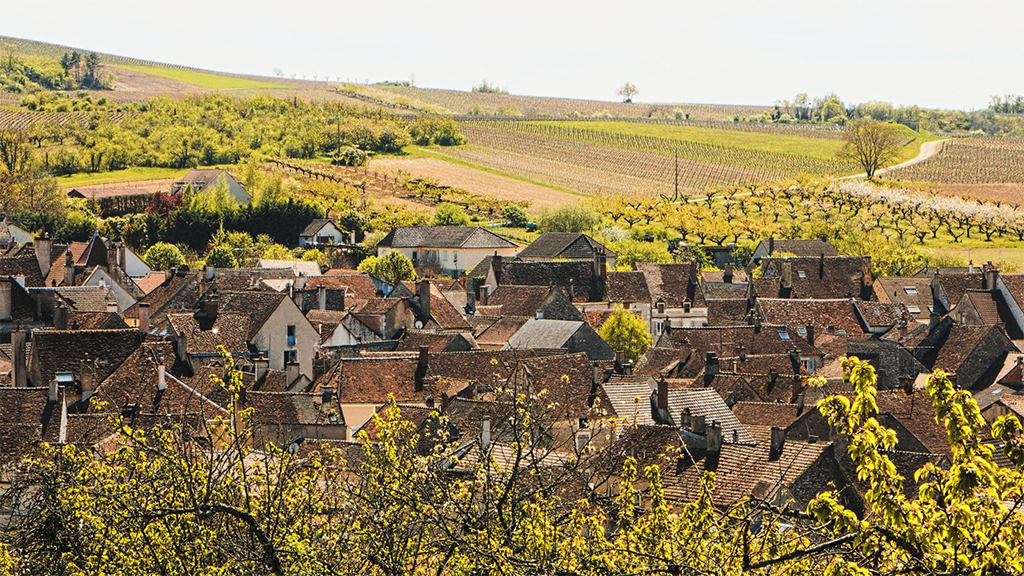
[787, 274]
[144, 318]
[19, 366]
[727, 274]
[6, 294]
[933, 319]
[211, 307]
[44, 252]
[483, 292]
[485, 435]
[291, 372]
[261, 366]
[60, 316]
[711, 367]
[422, 363]
[112, 307]
[713, 437]
[423, 291]
[991, 276]
[810, 333]
[52, 397]
[88, 379]
[161, 376]
[697, 425]
[778, 442]
[662, 394]
[321, 297]
[600, 264]
[771, 245]
[821, 266]
[69, 269]
[496, 267]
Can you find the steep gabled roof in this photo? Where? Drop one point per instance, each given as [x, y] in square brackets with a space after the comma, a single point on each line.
[628, 286]
[258, 306]
[202, 335]
[315, 227]
[564, 245]
[443, 237]
[706, 402]
[673, 283]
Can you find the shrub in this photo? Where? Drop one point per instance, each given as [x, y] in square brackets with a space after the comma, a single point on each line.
[449, 214]
[162, 256]
[625, 331]
[436, 130]
[349, 156]
[392, 267]
[221, 257]
[569, 218]
[515, 216]
[77, 227]
[315, 255]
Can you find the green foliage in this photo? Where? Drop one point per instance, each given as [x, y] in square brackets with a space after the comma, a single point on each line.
[448, 214]
[392, 267]
[631, 252]
[315, 255]
[625, 331]
[442, 131]
[162, 256]
[486, 87]
[78, 226]
[569, 218]
[349, 156]
[221, 257]
[515, 216]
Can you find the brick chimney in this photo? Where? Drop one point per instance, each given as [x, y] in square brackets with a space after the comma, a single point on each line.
[144, 318]
[600, 264]
[991, 276]
[697, 425]
[810, 333]
[711, 367]
[60, 316]
[496, 267]
[771, 245]
[261, 366]
[821, 265]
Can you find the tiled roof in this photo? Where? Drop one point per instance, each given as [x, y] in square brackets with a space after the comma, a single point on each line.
[315, 227]
[434, 341]
[360, 284]
[953, 286]
[69, 350]
[176, 290]
[724, 290]
[915, 413]
[202, 335]
[575, 277]
[298, 267]
[707, 403]
[726, 340]
[627, 287]
[836, 314]
[630, 399]
[150, 282]
[673, 283]
[544, 334]
[821, 278]
[86, 298]
[517, 300]
[443, 237]
[878, 315]
[798, 247]
[769, 413]
[258, 306]
[498, 333]
[25, 265]
[443, 313]
[911, 291]
[563, 245]
[727, 312]
[568, 379]
[745, 470]
[96, 320]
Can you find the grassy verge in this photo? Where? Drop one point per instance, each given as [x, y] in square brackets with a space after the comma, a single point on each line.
[202, 79]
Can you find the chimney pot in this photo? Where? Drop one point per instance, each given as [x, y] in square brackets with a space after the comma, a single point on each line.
[662, 394]
[161, 377]
[485, 435]
[144, 318]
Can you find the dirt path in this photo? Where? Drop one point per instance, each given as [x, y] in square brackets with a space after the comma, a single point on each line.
[476, 181]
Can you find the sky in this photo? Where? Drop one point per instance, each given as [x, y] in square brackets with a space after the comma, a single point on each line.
[934, 53]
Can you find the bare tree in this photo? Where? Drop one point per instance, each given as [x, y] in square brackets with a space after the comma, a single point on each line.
[278, 72]
[870, 143]
[627, 91]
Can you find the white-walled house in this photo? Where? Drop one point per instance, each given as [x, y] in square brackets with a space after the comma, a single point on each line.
[321, 232]
[277, 328]
[452, 249]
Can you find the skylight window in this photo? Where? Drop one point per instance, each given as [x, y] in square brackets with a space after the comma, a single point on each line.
[911, 290]
[801, 274]
[914, 309]
[783, 335]
[801, 330]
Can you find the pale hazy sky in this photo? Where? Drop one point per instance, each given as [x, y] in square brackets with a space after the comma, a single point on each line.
[936, 53]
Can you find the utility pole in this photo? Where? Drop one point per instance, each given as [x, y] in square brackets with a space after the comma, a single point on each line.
[675, 196]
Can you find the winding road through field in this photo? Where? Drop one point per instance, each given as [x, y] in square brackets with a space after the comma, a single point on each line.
[928, 149]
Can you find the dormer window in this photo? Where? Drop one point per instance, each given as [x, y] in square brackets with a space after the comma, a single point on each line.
[686, 306]
[661, 306]
[910, 290]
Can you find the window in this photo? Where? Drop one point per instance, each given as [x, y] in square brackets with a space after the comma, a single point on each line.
[808, 364]
[914, 309]
[801, 331]
[414, 256]
[912, 290]
[783, 335]
[445, 254]
[291, 334]
[841, 332]
[801, 274]
[455, 256]
[291, 356]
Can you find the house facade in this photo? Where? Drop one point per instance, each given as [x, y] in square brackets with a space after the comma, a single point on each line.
[450, 249]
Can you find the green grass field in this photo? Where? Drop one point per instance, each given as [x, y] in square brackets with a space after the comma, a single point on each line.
[202, 79]
[127, 175]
